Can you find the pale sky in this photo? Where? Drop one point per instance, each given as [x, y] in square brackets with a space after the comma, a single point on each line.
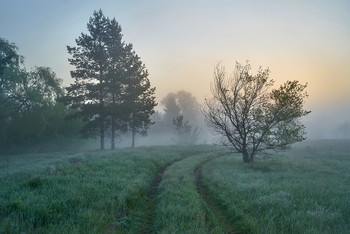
[181, 41]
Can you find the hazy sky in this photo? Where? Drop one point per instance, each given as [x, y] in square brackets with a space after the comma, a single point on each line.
[181, 42]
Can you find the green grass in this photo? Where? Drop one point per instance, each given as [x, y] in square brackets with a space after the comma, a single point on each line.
[305, 190]
[91, 192]
[295, 192]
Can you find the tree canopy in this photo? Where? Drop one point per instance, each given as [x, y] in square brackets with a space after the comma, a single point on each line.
[29, 109]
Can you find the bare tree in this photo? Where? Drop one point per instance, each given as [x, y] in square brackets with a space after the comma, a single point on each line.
[250, 116]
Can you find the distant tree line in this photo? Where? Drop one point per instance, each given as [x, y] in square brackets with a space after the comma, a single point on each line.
[180, 121]
[29, 108]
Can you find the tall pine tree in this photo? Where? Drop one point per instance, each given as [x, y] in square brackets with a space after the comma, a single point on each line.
[139, 95]
[117, 110]
[90, 58]
[111, 89]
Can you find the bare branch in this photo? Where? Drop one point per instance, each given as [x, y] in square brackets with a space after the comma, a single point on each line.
[249, 116]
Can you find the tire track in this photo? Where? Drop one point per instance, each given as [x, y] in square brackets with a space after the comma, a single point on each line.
[151, 201]
[211, 203]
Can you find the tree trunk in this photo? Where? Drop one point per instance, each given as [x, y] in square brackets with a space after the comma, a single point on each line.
[246, 157]
[133, 131]
[102, 137]
[102, 117]
[113, 134]
[252, 158]
[133, 138]
[113, 127]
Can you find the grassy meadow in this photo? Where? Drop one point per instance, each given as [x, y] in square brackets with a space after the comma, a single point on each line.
[90, 192]
[304, 190]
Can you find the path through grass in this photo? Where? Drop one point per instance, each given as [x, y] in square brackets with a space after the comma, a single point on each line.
[92, 192]
[179, 206]
[302, 191]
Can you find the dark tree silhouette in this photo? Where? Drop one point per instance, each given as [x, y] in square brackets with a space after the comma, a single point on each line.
[8, 55]
[90, 59]
[140, 97]
[12, 79]
[249, 116]
[180, 103]
[115, 79]
[171, 107]
[111, 86]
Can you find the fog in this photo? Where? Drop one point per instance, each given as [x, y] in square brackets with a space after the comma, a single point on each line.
[325, 122]
[328, 121]
[165, 128]
[304, 41]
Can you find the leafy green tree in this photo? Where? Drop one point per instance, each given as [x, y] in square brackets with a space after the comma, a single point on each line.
[12, 91]
[22, 90]
[8, 56]
[250, 117]
[42, 88]
[39, 116]
[29, 110]
[12, 79]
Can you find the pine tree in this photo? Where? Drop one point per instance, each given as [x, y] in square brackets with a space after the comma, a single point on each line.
[139, 95]
[90, 59]
[115, 79]
[111, 88]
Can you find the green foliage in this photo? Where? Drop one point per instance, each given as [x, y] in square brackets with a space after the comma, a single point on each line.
[8, 56]
[22, 91]
[29, 111]
[12, 80]
[40, 124]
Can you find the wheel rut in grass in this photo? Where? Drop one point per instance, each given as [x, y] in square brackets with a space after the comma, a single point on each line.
[211, 203]
[151, 201]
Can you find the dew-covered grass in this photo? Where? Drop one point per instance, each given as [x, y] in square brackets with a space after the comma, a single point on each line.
[299, 191]
[92, 192]
[304, 190]
[179, 206]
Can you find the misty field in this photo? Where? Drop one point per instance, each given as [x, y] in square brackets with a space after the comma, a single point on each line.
[177, 189]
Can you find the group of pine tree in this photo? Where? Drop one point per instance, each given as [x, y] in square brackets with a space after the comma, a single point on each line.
[111, 91]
